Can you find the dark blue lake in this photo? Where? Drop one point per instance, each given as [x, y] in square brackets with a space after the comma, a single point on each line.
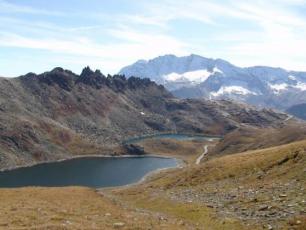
[90, 171]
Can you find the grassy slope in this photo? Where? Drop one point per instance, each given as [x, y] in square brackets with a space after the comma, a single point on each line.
[250, 138]
[230, 191]
[188, 151]
[71, 208]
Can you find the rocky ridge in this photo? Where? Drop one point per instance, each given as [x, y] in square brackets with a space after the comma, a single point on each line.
[60, 114]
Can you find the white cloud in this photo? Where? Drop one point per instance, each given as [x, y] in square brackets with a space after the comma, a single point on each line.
[7, 7]
[268, 12]
[276, 35]
[274, 32]
[210, 12]
[132, 44]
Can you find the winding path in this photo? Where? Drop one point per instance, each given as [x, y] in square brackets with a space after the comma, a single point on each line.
[202, 155]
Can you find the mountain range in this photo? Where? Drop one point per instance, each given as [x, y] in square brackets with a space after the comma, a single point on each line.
[199, 77]
[60, 114]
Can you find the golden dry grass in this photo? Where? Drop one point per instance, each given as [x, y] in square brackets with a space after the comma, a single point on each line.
[251, 138]
[235, 184]
[186, 150]
[71, 208]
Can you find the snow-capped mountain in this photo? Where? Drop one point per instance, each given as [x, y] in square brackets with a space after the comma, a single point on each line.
[195, 77]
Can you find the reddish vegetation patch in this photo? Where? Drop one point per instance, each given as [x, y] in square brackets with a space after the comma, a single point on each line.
[64, 136]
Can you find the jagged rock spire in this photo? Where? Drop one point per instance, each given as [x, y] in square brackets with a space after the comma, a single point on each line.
[86, 72]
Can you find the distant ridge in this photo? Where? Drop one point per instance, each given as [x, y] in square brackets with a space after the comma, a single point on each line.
[199, 77]
[298, 110]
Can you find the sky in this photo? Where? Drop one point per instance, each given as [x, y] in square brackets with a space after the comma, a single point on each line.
[38, 35]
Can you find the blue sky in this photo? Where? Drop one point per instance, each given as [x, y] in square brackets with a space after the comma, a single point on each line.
[37, 35]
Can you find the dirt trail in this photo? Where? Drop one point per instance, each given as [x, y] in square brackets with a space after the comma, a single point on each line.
[202, 155]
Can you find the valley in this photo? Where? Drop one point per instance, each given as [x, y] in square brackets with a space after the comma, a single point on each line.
[242, 167]
[153, 115]
[59, 115]
[266, 191]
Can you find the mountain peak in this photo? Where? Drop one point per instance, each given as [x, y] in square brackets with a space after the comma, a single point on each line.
[197, 76]
[57, 69]
[195, 56]
[86, 72]
[167, 56]
[141, 61]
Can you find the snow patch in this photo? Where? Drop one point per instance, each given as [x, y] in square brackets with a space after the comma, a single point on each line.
[301, 86]
[197, 76]
[217, 70]
[278, 87]
[232, 90]
[142, 113]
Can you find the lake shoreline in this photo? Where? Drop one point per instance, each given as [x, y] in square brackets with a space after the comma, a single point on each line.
[88, 156]
[164, 136]
[145, 178]
[178, 163]
[138, 138]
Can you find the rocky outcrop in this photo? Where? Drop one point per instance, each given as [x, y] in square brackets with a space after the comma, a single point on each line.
[132, 149]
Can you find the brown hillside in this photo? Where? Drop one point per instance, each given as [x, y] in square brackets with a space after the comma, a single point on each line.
[59, 114]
